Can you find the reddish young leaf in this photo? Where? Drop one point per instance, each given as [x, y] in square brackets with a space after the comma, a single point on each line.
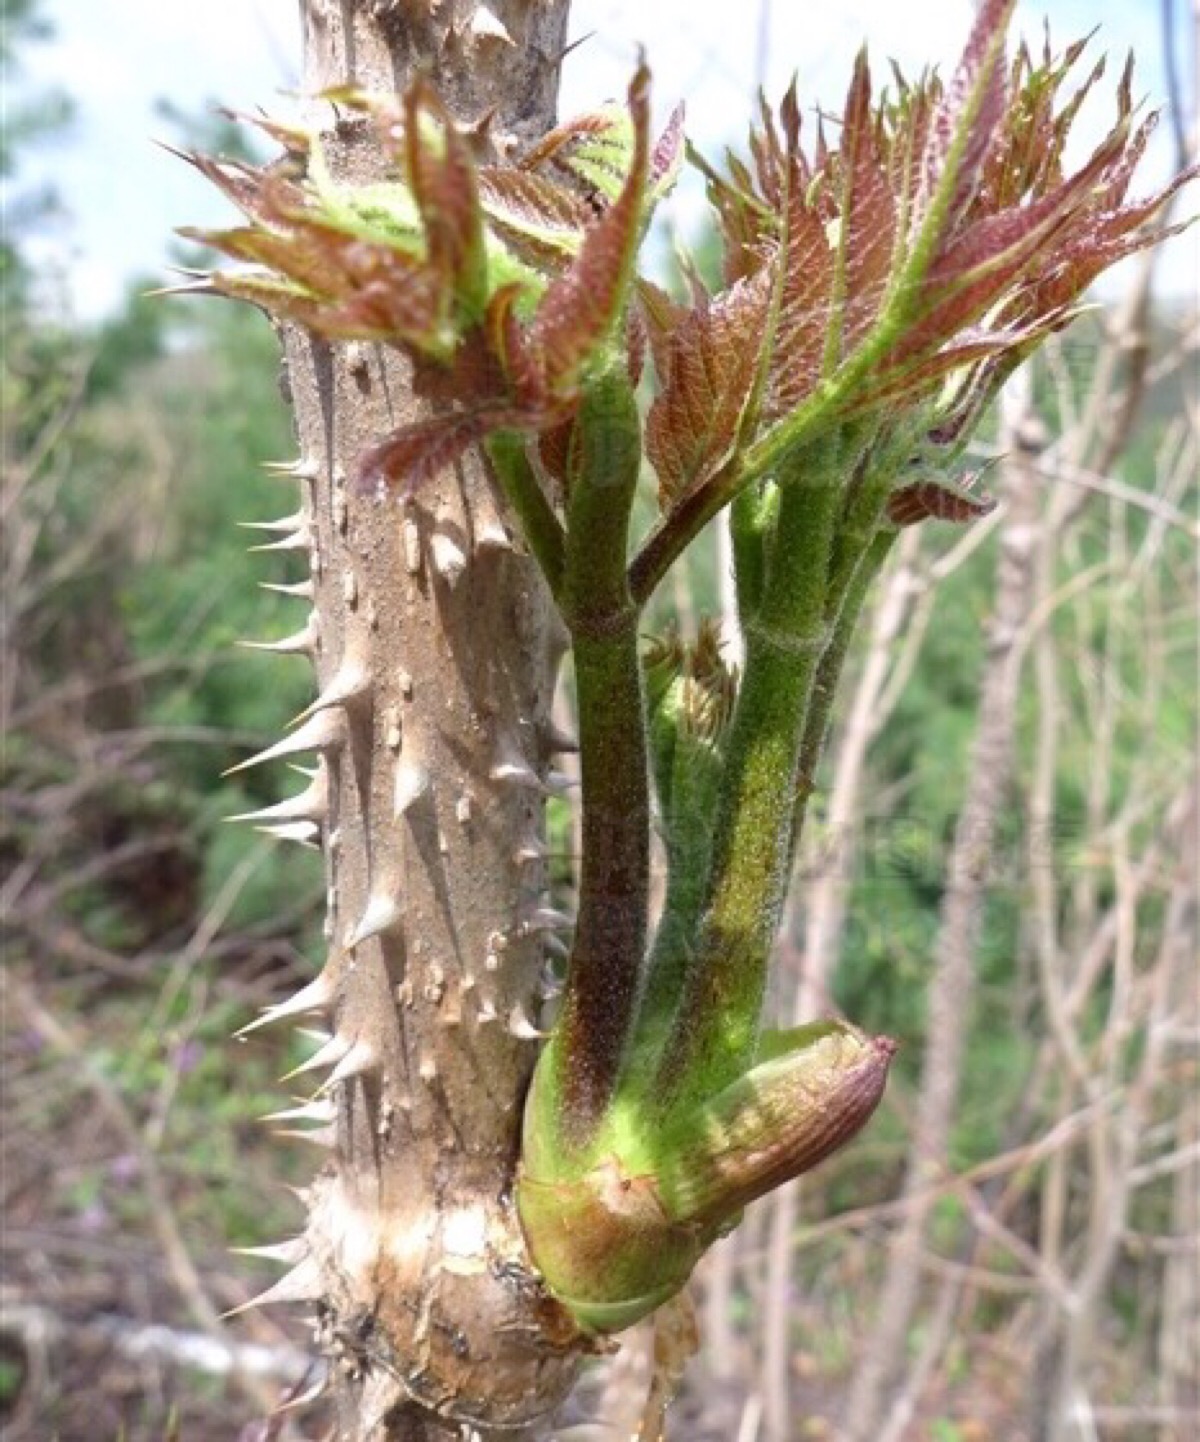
[509, 344]
[416, 453]
[710, 369]
[867, 233]
[1084, 257]
[636, 340]
[271, 294]
[923, 377]
[985, 261]
[746, 221]
[539, 220]
[441, 174]
[580, 307]
[803, 322]
[297, 256]
[667, 155]
[931, 500]
[966, 118]
[662, 317]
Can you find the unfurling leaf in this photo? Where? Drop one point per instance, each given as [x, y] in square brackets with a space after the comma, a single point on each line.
[416, 453]
[441, 175]
[936, 501]
[539, 220]
[708, 368]
[867, 221]
[580, 307]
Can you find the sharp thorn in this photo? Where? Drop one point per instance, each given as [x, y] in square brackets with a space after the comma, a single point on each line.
[362, 1057]
[299, 540]
[521, 1027]
[550, 986]
[300, 470]
[323, 1137]
[304, 833]
[348, 683]
[306, 590]
[449, 560]
[301, 1284]
[303, 1399]
[412, 782]
[546, 918]
[285, 525]
[327, 1055]
[560, 740]
[320, 1109]
[381, 914]
[302, 642]
[191, 287]
[493, 537]
[319, 732]
[516, 773]
[311, 804]
[289, 1253]
[318, 995]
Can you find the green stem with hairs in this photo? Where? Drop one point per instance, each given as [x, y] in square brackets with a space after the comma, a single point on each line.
[694, 777]
[543, 531]
[829, 673]
[751, 521]
[577, 1074]
[716, 1030]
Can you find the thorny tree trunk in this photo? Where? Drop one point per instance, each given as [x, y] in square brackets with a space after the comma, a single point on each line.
[435, 653]
[950, 989]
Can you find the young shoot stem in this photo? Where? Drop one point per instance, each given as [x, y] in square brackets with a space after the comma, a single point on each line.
[829, 673]
[607, 956]
[541, 527]
[716, 1028]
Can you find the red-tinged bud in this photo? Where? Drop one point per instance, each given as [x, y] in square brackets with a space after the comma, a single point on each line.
[780, 1120]
[616, 1239]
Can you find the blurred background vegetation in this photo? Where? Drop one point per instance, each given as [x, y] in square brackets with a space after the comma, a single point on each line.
[1055, 1219]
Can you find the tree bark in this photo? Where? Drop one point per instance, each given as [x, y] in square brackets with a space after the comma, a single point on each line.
[435, 651]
